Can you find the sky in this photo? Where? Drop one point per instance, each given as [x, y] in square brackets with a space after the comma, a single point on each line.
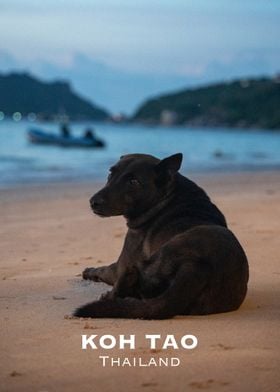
[175, 36]
[182, 38]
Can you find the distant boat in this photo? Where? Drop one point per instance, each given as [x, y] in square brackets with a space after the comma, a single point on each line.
[38, 136]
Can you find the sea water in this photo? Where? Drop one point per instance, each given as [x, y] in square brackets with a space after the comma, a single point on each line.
[205, 150]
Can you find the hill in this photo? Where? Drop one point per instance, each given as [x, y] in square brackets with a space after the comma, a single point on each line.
[21, 92]
[250, 103]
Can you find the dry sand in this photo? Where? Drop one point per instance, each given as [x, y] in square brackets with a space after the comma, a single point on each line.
[48, 236]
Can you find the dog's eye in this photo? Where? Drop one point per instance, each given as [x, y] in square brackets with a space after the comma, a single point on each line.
[134, 182]
[110, 175]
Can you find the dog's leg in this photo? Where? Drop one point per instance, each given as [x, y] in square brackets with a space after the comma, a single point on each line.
[106, 274]
[188, 283]
[126, 284]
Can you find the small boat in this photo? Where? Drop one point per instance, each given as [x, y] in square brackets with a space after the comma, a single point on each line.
[37, 136]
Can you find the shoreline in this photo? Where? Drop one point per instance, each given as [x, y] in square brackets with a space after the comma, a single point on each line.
[86, 181]
[49, 235]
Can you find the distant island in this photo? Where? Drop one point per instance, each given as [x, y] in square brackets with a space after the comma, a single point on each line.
[25, 94]
[244, 103]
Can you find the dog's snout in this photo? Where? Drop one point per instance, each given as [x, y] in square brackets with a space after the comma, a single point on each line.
[96, 201]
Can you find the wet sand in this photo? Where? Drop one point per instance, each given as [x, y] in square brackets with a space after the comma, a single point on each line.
[48, 236]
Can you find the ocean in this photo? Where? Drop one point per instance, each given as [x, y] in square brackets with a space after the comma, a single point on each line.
[205, 150]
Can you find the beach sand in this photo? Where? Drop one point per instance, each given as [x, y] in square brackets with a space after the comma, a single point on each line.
[49, 235]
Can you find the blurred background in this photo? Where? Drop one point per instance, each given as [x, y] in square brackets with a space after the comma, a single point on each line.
[156, 77]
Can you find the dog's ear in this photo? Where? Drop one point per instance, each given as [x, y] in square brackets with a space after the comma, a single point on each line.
[170, 164]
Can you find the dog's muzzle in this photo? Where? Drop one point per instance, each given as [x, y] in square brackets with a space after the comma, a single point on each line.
[97, 204]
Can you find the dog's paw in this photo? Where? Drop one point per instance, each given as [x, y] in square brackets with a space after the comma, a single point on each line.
[91, 274]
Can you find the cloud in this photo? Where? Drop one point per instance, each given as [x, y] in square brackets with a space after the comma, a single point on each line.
[141, 36]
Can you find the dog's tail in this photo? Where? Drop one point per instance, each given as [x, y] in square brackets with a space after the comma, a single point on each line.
[128, 307]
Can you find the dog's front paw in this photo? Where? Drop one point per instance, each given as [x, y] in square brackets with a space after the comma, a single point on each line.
[91, 274]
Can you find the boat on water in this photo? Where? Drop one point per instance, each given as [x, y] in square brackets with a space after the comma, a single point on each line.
[38, 136]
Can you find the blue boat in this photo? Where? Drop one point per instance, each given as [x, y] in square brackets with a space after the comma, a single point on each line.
[38, 136]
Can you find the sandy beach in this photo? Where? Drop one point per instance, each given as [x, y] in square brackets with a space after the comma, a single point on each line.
[49, 235]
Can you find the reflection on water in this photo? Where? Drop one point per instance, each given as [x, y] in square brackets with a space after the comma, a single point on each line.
[205, 150]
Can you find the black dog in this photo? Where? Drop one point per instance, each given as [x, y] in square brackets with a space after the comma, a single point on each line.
[178, 258]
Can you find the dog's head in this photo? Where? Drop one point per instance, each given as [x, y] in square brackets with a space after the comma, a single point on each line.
[136, 183]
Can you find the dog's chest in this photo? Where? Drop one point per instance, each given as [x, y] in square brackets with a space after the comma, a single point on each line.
[133, 248]
[138, 245]
[146, 248]
[141, 245]
[151, 243]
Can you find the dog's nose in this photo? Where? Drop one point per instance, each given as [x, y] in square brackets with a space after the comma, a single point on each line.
[96, 201]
